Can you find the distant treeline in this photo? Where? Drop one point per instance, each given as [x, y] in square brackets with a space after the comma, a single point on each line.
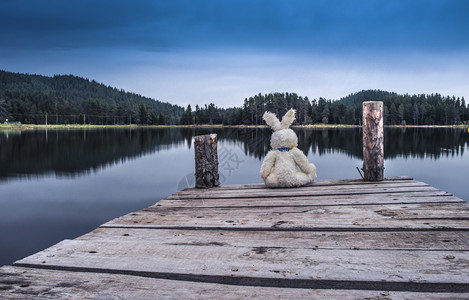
[38, 152]
[433, 109]
[68, 99]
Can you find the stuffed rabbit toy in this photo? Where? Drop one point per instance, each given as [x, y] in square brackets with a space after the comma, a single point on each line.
[279, 168]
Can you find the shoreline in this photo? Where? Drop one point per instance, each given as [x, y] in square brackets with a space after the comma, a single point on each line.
[24, 127]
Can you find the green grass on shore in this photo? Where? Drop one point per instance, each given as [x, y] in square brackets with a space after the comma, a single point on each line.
[20, 127]
[12, 127]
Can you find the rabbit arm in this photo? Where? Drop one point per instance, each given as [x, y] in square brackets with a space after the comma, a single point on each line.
[301, 160]
[268, 164]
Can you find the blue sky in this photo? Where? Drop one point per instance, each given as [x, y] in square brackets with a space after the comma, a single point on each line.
[222, 51]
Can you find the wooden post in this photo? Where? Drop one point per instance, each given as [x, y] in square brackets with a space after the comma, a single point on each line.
[373, 145]
[206, 161]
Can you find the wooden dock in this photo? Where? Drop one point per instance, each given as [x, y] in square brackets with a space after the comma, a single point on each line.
[336, 239]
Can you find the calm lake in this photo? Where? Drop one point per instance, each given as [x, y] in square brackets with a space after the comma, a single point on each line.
[60, 184]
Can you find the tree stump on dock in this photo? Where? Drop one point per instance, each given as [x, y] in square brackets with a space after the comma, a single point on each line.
[206, 161]
[373, 141]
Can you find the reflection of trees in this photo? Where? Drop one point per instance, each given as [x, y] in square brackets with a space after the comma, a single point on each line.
[77, 151]
[424, 142]
[404, 142]
[80, 151]
[254, 141]
[328, 141]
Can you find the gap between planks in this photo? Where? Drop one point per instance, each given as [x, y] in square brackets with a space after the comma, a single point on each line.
[27, 283]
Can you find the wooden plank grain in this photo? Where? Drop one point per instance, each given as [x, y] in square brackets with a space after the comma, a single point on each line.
[27, 283]
[259, 266]
[329, 200]
[405, 240]
[314, 185]
[207, 194]
[455, 209]
[330, 182]
[409, 216]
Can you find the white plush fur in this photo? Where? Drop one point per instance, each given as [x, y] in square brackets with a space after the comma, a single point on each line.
[289, 168]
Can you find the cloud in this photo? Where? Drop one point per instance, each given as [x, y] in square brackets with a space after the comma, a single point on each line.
[227, 78]
[200, 51]
[261, 24]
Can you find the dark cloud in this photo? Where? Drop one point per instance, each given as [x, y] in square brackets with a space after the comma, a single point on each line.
[63, 24]
[259, 24]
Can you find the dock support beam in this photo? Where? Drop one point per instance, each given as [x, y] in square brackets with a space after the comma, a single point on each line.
[373, 141]
[206, 161]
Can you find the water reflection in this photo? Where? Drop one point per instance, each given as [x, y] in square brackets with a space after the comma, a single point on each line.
[425, 142]
[74, 152]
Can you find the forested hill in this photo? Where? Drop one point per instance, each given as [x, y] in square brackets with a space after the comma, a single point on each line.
[71, 99]
[398, 109]
[68, 99]
[433, 109]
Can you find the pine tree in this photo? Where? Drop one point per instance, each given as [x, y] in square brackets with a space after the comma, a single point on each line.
[161, 119]
[153, 118]
[143, 114]
[186, 118]
[393, 114]
[464, 111]
[3, 110]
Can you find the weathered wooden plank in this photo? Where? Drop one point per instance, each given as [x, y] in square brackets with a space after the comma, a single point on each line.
[408, 216]
[354, 199]
[26, 283]
[312, 186]
[315, 183]
[407, 240]
[401, 211]
[263, 266]
[207, 194]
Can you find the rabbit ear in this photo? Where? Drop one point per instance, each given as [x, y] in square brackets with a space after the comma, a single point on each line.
[288, 119]
[271, 119]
